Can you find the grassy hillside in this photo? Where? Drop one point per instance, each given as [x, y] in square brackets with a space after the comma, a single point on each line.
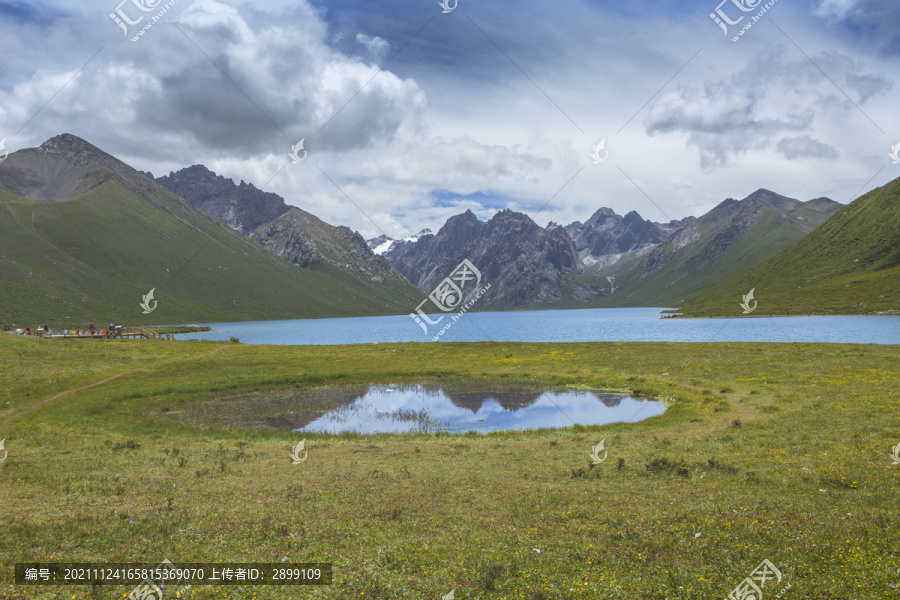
[677, 280]
[849, 265]
[93, 257]
[721, 243]
[767, 451]
[722, 248]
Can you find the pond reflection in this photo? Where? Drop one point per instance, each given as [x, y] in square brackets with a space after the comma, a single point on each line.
[431, 409]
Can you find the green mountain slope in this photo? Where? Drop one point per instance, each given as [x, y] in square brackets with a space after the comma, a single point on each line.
[721, 243]
[95, 236]
[849, 265]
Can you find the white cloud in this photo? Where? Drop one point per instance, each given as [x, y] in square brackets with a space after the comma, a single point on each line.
[770, 96]
[452, 123]
[375, 45]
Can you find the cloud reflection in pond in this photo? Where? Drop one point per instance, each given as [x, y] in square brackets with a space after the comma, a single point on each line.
[429, 409]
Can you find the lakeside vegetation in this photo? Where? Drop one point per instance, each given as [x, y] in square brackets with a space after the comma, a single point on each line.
[181, 329]
[777, 451]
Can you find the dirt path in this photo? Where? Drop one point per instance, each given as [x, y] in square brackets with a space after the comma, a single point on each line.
[7, 419]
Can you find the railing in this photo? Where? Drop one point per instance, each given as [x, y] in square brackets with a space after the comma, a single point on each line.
[125, 332]
[144, 332]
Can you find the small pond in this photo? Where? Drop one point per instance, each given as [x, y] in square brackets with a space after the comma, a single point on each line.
[454, 406]
[431, 409]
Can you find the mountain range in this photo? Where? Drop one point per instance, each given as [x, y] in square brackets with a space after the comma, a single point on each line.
[525, 263]
[86, 236]
[731, 237]
[611, 260]
[287, 231]
[848, 265]
[606, 236]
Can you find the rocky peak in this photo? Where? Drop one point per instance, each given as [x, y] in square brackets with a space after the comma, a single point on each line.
[458, 231]
[71, 145]
[241, 206]
[379, 241]
[725, 203]
[286, 238]
[287, 231]
[64, 167]
[604, 213]
[607, 234]
[523, 262]
[392, 249]
[768, 198]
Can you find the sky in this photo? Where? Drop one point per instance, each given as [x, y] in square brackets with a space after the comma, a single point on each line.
[411, 112]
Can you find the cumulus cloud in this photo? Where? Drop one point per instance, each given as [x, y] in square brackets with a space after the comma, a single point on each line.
[721, 121]
[463, 117]
[221, 84]
[728, 118]
[235, 94]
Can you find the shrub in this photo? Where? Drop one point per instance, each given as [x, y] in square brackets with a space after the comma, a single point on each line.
[489, 581]
[715, 465]
[659, 465]
[130, 444]
[664, 465]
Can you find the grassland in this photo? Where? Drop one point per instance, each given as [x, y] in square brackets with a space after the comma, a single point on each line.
[777, 451]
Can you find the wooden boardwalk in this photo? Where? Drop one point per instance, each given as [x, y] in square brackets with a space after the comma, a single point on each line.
[126, 332]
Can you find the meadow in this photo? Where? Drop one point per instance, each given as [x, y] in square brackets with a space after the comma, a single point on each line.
[767, 451]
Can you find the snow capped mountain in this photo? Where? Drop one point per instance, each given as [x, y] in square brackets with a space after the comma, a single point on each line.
[383, 244]
[380, 245]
